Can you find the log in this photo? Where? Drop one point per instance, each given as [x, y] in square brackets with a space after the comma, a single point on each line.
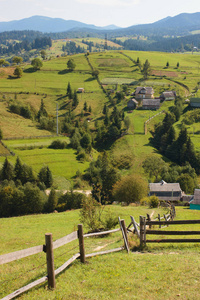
[104, 252]
[174, 241]
[66, 239]
[159, 232]
[66, 264]
[135, 226]
[176, 222]
[6, 258]
[25, 288]
[101, 233]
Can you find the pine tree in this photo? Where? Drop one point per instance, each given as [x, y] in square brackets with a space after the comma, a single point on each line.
[146, 69]
[85, 106]
[69, 91]
[52, 201]
[7, 171]
[75, 99]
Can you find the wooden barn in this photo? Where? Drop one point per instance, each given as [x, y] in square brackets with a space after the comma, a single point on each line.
[153, 104]
[168, 96]
[195, 102]
[144, 93]
[132, 104]
[166, 191]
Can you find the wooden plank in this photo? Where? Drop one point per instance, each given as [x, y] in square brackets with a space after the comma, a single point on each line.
[25, 288]
[66, 264]
[174, 241]
[176, 222]
[6, 258]
[104, 252]
[123, 234]
[64, 240]
[101, 233]
[135, 226]
[160, 232]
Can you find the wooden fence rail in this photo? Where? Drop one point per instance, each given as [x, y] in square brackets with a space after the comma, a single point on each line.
[145, 231]
[50, 246]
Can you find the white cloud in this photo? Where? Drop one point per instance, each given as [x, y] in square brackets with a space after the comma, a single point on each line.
[113, 3]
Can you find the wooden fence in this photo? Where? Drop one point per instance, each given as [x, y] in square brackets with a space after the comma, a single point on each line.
[48, 248]
[144, 231]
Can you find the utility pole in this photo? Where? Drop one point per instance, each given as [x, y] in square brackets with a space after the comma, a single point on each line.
[57, 118]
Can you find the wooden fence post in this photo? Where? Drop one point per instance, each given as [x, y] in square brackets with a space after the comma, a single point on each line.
[142, 231]
[50, 261]
[149, 219]
[125, 235]
[81, 243]
[159, 220]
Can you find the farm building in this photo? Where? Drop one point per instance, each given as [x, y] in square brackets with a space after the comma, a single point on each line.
[195, 201]
[80, 90]
[144, 93]
[132, 104]
[151, 104]
[166, 191]
[168, 96]
[195, 102]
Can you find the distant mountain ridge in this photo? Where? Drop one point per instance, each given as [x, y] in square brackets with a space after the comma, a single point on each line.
[181, 24]
[47, 25]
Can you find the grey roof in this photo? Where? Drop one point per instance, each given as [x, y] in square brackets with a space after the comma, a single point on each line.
[168, 94]
[133, 101]
[194, 100]
[164, 187]
[196, 199]
[144, 90]
[152, 102]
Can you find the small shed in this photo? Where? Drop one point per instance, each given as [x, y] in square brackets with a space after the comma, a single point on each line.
[195, 102]
[166, 191]
[132, 104]
[151, 104]
[80, 90]
[195, 201]
[168, 96]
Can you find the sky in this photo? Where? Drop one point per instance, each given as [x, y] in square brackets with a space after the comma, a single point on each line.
[122, 13]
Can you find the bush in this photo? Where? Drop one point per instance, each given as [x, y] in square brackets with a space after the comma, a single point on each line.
[130, 189]
[94, 216]
[71, 200]
[58, 145]
[153, 201]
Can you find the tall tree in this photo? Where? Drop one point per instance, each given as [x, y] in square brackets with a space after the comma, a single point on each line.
[146, 70]
[7, 171]
[71, 64]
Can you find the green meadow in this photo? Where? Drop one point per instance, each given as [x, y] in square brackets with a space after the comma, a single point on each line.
[115, 69]
[161, 271]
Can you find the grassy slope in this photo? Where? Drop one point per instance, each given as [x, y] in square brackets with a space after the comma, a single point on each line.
[52, 80]
[163, 271]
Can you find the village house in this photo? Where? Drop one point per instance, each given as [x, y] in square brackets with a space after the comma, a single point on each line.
[80, 90]
[166, 191]
[195, 102]
[132, 104]
[144, 93]
[168, 96]
[153, 104]
[195, 201]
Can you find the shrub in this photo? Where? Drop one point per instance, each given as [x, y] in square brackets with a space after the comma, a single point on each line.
[153, 201]
[130, 189]
[71, 200]
[58, 145]
[94, 216]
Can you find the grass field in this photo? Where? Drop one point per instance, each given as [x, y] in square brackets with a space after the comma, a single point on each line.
[115, 69]
[35, 153]
[162, 271]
